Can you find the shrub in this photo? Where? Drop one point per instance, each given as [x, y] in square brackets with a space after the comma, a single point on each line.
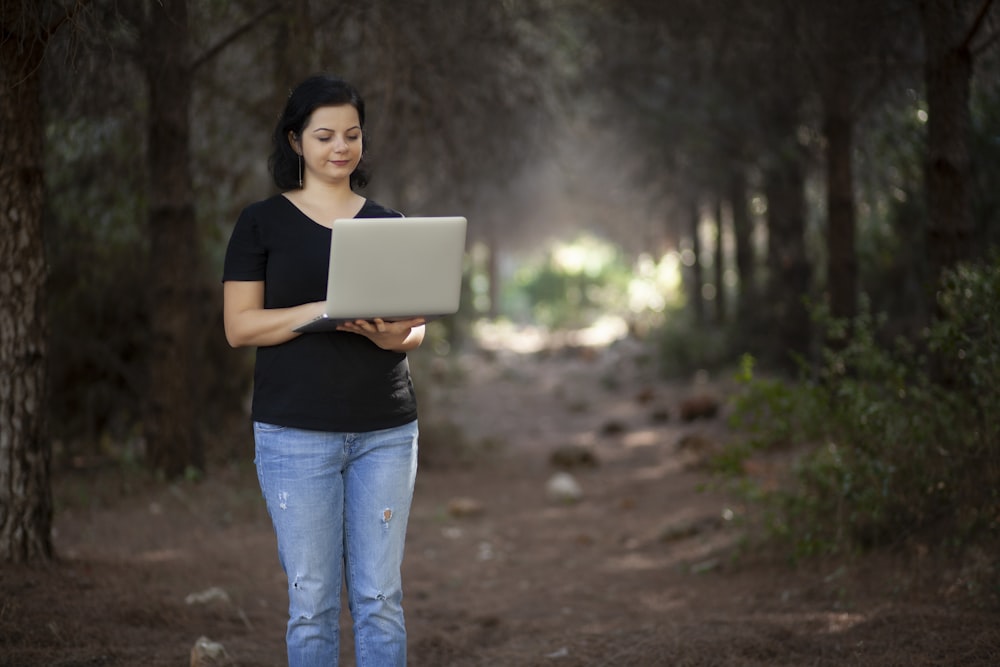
[903, 440]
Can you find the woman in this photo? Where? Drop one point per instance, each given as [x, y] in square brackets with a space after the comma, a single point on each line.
[334, 414]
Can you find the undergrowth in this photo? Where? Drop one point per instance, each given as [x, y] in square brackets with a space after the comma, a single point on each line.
[896, 443]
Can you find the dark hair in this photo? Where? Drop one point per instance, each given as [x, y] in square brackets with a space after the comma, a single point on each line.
[320, 90]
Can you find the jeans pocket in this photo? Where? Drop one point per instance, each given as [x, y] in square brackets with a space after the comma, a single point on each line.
[264, 427]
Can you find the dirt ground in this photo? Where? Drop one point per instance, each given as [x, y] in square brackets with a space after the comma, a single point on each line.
[648, 567]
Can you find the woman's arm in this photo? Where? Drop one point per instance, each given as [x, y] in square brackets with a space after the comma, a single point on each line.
[398, 336]
[248, 323]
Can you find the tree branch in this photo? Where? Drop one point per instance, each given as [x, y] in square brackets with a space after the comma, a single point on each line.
[66, 16]
[986, 44]
[976, 24]
[219, 46]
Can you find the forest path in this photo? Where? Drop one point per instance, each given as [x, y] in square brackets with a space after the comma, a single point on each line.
[641, 570]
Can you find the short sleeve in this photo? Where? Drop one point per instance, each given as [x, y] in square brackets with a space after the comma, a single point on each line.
[246, 256]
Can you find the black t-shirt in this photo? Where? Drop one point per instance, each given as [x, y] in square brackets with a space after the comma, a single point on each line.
[334, 381]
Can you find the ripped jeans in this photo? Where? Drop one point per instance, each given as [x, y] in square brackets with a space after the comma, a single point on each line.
[340, 503]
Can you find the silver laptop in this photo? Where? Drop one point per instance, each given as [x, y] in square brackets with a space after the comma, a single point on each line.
[392, 268]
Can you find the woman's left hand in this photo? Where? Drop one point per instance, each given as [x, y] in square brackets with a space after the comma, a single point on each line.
[399, 335]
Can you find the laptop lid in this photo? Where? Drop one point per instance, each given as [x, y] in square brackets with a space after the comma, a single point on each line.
[392, 268]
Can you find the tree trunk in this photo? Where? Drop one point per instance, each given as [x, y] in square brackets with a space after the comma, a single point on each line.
[25, 493]
[493, 275]
[743, 237]
[842, 269]
[170, 424]
[789, 272]
[720, 266]
[696, 281]
[294, 50]
[948, 71]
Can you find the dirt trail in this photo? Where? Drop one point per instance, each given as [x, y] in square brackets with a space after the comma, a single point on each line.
[640, 571]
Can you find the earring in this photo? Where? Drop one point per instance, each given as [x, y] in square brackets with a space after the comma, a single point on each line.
[300, 171]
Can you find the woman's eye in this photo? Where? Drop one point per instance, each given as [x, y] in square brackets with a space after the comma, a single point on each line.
[354, 138]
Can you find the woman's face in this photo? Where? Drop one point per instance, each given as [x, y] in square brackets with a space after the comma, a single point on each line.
[331, 143]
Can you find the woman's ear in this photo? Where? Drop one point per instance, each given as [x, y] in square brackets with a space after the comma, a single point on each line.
[294, 141]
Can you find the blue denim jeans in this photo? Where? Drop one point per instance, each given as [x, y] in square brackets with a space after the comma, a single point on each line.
[340, 503]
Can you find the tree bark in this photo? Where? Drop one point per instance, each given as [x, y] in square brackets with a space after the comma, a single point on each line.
[25, 453]
[493, 272]
[842, 265]
[719, 266]
[694, 271]
[789, 272]
[948, 72]
[294, 50]
[173, 444]
[743, 237]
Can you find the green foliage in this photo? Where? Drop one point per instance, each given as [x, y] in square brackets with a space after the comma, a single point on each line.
[902, 441]
[684, 347]
[774, 413]
[966, 338]
[570, 286]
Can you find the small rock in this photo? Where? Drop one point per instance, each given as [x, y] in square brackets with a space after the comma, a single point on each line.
[213, 594]
[464, 507]
[206, 653]
[489, 622]
[697, 449]
[562, 487]
[705, 566]
[573, 456]
[686, 529]
[659, 415]
[485, 552]
[613, 427]
[696, 443]
[645, 395]
[559, 653]
[701, 406]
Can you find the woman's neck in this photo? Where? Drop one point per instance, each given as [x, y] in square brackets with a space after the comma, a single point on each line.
[325, 203]
[329, 194]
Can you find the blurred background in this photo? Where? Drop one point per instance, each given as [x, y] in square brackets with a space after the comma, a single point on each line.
[717, 178]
